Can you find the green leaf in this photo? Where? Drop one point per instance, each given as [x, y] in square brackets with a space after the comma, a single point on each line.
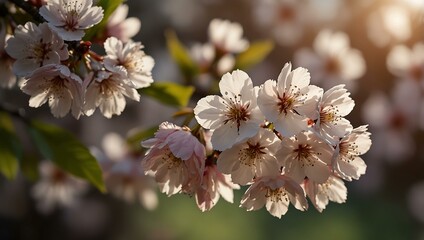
[254, 54]
[109, 6]
[10, 148]
[29, 167]
[169, 93]
[67, 152]
[135, 137]
[180, 54]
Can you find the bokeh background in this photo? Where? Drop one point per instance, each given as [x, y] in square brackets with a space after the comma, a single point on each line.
[386, 203]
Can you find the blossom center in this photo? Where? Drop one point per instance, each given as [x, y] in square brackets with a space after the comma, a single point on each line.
[276, 195]
[253, 152]
[328, 115]
[237, 113]
[40, 51]
[285, 103]
[348, 151]
[171, 161]
[287, 13]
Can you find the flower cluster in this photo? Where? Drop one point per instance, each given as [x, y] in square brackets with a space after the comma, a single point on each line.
[286, 140]
[58, 67]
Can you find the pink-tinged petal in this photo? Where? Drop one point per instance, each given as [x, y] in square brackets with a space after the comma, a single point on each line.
[60, 105]
[353, 169]
[243, 175]
[297, 79]
[38, 100]
[268, 167]
[319, 172]
[227, 160]
[295, 171]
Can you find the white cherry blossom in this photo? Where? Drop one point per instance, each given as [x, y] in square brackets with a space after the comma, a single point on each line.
[250, 158]
[333, 190]
[35, 46]
[332, 60]
[107, 91]
[120, 26]
[407, 63]
[290, 102]
[284, 19]
[129, 60]
[123, 175]
[214, 185]
[235, 116]
[389, 24]
[69, 18]
[305, 155]
[334, 106]
[226, 36]
[346, 161]
[57, 85]
[56, 188]
[175, 158]
[276, 194]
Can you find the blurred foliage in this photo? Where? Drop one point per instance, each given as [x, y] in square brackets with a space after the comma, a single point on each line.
[255, 54]
[10, 148]
[61, 147]
[169, 93]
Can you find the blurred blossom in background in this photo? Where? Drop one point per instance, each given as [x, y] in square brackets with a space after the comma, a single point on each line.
[375, 47]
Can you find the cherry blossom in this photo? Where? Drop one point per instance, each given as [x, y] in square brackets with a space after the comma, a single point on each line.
[127, 59]
[250, 158]
[407, 63]
[107, 91]
[347, 163]
[69, 18]
[56, 188]
[214, 185]
[333, 190]
[333, 60]
[305, 155]
[290, 102]
[334, 106]
[175, 158]
[235, 116]
[120, 26]
[57, 85]
[123, 176]
[389, 24]
[35, 46]
[285, 19]
[276, 194]
[226, 36]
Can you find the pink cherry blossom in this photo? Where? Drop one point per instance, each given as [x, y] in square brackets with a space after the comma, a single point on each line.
[214, 185]
[176, 158]
[57, 85]
[226, 36]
